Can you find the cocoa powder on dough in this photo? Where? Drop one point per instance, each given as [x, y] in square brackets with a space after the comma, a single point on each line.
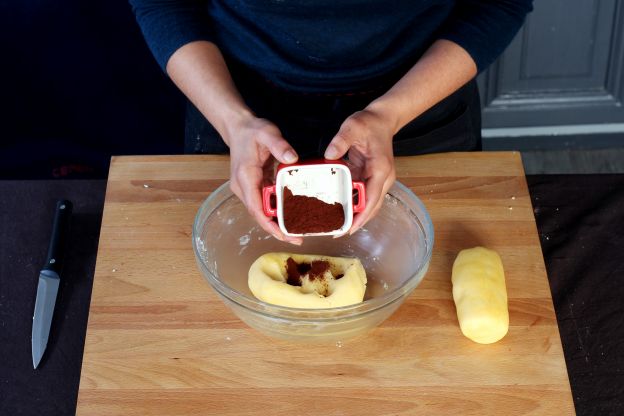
[295, 271]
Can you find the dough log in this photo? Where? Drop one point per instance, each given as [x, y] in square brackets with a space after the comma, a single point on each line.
[480, 295]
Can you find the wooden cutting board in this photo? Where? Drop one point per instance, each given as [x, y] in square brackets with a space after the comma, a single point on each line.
[159, 341]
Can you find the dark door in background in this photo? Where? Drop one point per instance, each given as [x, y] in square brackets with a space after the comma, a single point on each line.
[561, 81]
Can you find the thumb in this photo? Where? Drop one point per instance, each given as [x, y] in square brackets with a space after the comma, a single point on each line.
[339, 145]
[279, 148]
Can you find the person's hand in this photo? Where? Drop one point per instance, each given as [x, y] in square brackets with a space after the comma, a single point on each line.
[367, 137]
[254, 144]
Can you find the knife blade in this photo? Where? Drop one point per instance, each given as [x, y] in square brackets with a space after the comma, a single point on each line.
[49, 281]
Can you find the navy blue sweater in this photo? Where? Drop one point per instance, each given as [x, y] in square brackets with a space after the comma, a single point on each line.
[330, 45]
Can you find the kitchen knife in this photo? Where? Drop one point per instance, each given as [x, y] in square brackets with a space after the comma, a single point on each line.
[49, 280]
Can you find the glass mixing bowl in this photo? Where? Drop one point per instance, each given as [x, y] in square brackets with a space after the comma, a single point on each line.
[394, 247]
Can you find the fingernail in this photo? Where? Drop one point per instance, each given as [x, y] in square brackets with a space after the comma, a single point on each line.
[331, 152]
[290, 156]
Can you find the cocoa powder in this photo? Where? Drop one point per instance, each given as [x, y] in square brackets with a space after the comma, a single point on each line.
[318, 269]
[296, 271]
[305, 214]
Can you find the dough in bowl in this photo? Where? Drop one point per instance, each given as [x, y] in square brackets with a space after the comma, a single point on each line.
[307, 281]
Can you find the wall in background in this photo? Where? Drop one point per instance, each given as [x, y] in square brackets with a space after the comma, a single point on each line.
[78, 84]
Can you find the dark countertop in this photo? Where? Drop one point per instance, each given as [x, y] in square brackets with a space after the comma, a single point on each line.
[26, 212]
[580, 219]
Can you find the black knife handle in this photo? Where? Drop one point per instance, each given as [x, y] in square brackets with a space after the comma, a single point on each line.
[60, 230]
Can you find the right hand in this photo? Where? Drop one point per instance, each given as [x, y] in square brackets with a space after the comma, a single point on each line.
[255, 144]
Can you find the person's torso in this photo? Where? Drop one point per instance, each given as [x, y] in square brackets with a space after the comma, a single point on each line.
[327, 45]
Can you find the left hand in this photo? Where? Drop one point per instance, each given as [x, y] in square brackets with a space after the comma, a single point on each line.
[367, 137]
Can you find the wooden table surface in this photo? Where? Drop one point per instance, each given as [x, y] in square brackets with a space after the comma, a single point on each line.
[159, 341]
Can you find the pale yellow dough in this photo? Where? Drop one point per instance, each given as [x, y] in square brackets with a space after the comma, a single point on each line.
[268, 276]
[480, 295]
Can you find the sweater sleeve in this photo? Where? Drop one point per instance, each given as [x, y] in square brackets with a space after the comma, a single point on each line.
[484, 28]
[168, 25]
